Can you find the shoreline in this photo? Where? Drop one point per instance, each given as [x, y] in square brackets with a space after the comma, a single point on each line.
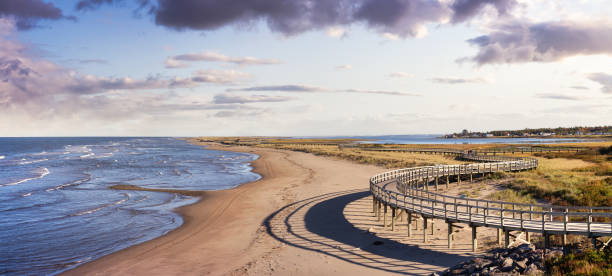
[305, 216]
[208, 199]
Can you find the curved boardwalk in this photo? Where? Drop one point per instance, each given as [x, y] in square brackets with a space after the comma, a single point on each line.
[415, 191]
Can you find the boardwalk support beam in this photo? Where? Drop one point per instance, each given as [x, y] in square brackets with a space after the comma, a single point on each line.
[474, 238]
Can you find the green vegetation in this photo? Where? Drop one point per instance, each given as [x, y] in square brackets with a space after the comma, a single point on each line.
[575, 178]
[588, 262]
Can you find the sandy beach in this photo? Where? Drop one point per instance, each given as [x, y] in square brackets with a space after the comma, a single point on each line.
[308, 215]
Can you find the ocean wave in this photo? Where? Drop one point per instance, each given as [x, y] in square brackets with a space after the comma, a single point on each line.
[27, 194]
[2, 157]
[127, 197]
[27, 162]
[88, 155]
[41, 173]
[73, 183]
[77, 149]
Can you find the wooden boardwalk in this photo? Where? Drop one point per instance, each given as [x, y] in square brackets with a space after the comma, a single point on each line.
[416, 191]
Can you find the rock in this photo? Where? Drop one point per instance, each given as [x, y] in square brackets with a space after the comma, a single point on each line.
[532, 269]
[507, 265]
[458, 271]
[522, 264]
[553, 253]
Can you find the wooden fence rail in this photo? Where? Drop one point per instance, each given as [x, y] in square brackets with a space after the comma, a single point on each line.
[415, 191]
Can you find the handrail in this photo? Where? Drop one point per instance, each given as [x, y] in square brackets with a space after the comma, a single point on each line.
[408, 189]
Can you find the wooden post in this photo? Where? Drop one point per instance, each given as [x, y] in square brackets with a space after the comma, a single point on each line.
[392, 219]
[378, 205]
[424, 230]
[432, 225]
[471, 180]
[564, 240]
[546, 240]
[528, 236]
[499, 238]
[506, 238]
[436, 183]
[409, 226]
[374, 204]
[450, 235]
[447, 181]
[474, 239]
[385, 217]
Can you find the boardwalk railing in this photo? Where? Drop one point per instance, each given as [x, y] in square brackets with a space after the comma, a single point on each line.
[408, 190]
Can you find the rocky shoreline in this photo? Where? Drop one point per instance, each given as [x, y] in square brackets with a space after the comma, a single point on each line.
[524, 259]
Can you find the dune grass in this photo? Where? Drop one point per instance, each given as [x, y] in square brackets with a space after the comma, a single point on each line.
[389, 160]
[577, 178]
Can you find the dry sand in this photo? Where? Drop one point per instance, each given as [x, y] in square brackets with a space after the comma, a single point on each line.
[308, 215]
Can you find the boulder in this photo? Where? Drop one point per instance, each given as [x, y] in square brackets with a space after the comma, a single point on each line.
[507, 265]
[533, 270]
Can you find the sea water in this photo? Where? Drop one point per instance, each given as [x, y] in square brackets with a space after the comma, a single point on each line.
[56, 208]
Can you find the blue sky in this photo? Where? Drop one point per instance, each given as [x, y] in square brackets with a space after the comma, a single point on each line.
[368, 68]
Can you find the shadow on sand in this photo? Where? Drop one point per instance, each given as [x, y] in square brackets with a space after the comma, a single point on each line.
[321, 224]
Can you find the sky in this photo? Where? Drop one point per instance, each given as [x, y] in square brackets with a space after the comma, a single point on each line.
[302, 67]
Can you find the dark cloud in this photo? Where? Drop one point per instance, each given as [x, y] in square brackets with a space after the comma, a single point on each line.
[452, 80]
[518, 42]
[93, 4]
[555, 96]
[285, 16]
[604, 79]
[240, 99]
[27, 13]
[289, 17]
[466, 9]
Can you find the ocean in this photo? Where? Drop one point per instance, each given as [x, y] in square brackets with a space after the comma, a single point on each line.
[56, 208]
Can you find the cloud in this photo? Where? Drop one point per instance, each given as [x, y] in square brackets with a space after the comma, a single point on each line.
[179, 61]
[336, 32]
[26, 13]
[519, 42]
[236, 99]
[89, 84]
[466, 9]
[605, 80]
[220, 76]
[280, 88]
[555, 96]
[344, 67]
[400, 75]
[381, 92]
[454, 80]
[314, 89]
[396, 18]
[579, 87]
[93, 61]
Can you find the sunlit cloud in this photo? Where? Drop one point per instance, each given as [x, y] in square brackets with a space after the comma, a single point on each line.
[181, 61]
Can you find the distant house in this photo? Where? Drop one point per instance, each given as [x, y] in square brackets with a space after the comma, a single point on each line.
[489, 135]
